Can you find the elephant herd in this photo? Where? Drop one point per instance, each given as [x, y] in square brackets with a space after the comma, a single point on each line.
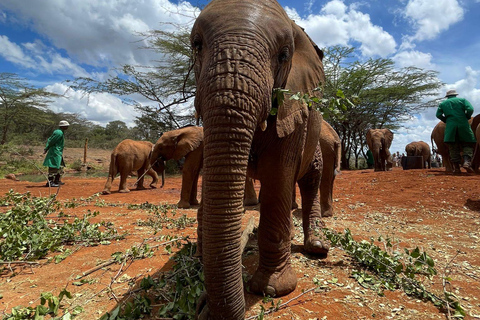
[242, 52]
[380, 140]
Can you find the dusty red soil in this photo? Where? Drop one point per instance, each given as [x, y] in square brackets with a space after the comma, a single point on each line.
[439, 213]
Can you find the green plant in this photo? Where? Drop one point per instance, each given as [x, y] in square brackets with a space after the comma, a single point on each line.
[27, 232]
[392, 271]
[50, 305]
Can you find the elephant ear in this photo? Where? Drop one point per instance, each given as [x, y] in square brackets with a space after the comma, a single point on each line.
[187, 141]
[369, 138]
[306, 74]
[388, 137]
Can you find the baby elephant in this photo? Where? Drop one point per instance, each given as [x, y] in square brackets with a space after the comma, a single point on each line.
[128, 156]
[419, 148]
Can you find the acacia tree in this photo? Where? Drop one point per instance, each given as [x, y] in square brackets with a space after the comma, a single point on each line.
[18, 101]
[169, 84]
[384, 97]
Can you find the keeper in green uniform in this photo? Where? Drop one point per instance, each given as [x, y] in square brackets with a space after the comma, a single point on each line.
[459, 137]
[54, 158]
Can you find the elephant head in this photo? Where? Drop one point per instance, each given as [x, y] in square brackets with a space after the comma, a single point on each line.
[379, 142]
[412, 149]
[242, 51]
[175, 144]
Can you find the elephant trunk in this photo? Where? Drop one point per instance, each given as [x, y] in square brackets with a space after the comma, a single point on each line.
[232, 106]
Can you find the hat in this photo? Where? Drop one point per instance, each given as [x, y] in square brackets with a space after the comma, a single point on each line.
[452, 92]
[63, 123]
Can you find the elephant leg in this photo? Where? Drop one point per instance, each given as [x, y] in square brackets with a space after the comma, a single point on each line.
[311, 214]
[190, 174]
[140, 173]
[154, 176]
[294, 199]
[274, 275]
[194, 192]
[122, 188]
[108, 185]
[250, 198]
[326, 192]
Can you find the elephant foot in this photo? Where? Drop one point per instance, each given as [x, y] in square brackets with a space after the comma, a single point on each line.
[194, 202]
[250, 202]
[273, 283]
[183, 204]
[316, 247]
[106, 192]
[327, 213]
[153, 186]
[141, 188]
[123, 191]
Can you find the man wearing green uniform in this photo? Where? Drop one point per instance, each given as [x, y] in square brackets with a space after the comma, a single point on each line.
[459, 137]
[54, 158]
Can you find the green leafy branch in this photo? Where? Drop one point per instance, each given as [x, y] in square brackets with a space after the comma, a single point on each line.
[394, 271]
[332, 107]
[50, 305]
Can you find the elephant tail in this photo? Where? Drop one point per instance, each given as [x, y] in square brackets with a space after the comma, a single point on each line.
[338, 157]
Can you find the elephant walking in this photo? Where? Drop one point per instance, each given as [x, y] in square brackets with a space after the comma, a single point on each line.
[475, 125]
[239, 59]
[184, 142]
[420, 149]
[379, 142]
[437, 136]
[128, 156]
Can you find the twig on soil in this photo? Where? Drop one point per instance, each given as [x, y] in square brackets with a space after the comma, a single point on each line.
[283, 305]
[19, 262]
[445, 282]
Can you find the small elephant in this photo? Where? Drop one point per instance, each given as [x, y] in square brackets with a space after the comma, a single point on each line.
[184, 142]
[128, 156]
[379, 142]
[420, 148]
[437, 136]
[475, 125]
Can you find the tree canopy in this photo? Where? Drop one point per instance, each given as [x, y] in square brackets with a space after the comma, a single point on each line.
[383, 96]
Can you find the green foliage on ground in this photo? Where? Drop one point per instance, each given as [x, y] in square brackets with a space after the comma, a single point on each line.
[50, 306]
[29, 231]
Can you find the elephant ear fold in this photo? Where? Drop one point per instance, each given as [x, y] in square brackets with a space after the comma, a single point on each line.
[388, 138]
[187, 142]
[306, 74]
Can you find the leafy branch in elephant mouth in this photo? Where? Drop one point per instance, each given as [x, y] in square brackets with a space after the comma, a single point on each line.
[392, 271]
[330, 108]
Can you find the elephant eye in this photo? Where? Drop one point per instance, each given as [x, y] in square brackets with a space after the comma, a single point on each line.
[197, 43]
[284, 54]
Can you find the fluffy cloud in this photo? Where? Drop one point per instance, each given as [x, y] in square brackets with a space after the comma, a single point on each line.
[99, 33]
[37, 56]
[431, 17]
[98, 108]
[338, 24]
[414, 58]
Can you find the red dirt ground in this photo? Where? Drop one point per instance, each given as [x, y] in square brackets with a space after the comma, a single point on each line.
[439, 213]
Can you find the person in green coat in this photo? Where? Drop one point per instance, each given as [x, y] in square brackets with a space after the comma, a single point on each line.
[370, 160]
[54, 158]
[459, 137]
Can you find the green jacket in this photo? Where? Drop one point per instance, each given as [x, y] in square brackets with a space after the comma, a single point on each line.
[455, 112]
[55, 149]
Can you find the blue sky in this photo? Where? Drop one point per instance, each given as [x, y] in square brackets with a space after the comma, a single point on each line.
[50, 41]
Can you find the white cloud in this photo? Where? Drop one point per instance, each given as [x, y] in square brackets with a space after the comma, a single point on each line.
[98, 108]
[338, 24]
[414, 58]
[100, 33]
[37, 56]
[431, 17]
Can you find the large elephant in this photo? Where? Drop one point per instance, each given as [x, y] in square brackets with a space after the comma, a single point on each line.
[128, 156]
[184, 142]
[420, 149]
[475, 125]
[379, 142]
[242, 51]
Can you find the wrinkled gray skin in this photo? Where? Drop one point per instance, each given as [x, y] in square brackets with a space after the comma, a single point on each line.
[379, 142]
[242, 51]
[128, 156]
[420, 149]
